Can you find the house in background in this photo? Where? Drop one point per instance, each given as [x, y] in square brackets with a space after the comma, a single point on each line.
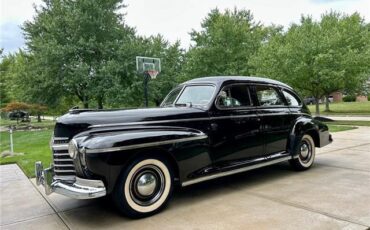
[338, 96]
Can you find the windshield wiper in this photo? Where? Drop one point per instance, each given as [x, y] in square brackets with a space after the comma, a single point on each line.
[189, 104]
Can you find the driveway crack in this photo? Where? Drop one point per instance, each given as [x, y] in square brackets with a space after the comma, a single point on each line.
[55, 211]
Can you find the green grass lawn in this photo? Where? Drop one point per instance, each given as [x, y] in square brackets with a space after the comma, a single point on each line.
[342, 108]
[34, 145]
[43, 124]
[339, 128]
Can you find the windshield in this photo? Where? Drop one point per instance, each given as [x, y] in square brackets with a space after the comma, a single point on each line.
[196, 95]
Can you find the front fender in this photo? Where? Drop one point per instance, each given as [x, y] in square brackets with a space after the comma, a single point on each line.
[120, 140]
[107, 152]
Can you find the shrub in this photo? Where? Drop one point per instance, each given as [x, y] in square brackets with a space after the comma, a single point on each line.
[349, 98]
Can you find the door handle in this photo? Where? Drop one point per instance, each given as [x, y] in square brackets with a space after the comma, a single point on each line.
[214, 126]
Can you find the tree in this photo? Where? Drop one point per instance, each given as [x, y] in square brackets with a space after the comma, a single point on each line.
[38, 110]
[4, 79]
[16, 107]
[73, 47]
[131, 95]
[225, 44]
[318, 57]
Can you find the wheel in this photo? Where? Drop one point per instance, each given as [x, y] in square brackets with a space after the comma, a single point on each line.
[144, 188]
[306, 154]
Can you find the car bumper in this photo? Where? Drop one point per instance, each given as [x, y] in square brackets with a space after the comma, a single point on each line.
[325, 139]
[79, 189]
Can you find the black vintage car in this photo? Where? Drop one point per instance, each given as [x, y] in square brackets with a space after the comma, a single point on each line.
[205, 128]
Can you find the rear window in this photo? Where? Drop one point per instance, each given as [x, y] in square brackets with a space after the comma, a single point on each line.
[291, 99]
[268, 96]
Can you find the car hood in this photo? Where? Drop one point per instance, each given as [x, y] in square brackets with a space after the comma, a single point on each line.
[77, 121]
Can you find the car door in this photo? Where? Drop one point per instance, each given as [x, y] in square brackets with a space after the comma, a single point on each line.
[235, 127]
[275, 118]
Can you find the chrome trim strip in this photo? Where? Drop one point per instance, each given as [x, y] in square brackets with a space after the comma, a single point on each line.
[63, 165]
[190, 119]
[128, 147]
[64, 170]
[65, 178]
[60, 147]
[63, 159]
[148, 122]
[61, 154]
[231, 172]
[60, 138]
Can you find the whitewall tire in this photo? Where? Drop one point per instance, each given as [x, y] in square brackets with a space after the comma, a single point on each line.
[306, 154]
[144, 187]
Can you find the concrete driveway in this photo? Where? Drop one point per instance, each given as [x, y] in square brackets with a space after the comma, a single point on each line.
[334, 194]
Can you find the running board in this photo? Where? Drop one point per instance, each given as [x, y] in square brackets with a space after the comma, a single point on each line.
[235, 171]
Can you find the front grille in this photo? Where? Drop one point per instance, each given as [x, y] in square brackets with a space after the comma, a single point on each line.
[64, 168]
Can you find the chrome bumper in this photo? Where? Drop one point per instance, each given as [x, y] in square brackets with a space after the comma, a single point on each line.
[80, 189]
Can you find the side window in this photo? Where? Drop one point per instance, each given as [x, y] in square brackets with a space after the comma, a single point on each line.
[234, 96]
[268, 96]
[291, 98]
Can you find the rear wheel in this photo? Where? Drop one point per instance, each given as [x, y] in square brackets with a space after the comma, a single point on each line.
[306, 154]
[144, 188]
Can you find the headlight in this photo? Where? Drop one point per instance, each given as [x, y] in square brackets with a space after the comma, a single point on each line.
[73, 148]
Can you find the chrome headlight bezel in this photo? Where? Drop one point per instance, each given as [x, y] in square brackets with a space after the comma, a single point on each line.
[73, 149]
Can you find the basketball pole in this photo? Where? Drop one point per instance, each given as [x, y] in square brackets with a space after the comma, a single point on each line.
[146, 80]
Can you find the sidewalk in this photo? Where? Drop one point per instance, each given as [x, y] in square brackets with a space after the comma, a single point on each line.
[21, 204]
[348, 117]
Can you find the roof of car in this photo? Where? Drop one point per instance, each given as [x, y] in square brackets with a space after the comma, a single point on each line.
[221, 79]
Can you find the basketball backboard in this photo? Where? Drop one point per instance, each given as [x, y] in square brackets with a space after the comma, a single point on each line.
[148, 64]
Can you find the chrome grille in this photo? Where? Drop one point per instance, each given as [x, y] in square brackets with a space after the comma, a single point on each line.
[64, 168]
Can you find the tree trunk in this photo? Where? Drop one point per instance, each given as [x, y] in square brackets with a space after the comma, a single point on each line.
[86, 102]
[327, 109]
[100, 103]
[38, 118]
[317, 106]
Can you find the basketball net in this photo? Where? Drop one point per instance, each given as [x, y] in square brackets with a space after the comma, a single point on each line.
[152, 73]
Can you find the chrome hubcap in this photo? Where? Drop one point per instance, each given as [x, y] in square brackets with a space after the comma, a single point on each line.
[146, 184]
[305, 150]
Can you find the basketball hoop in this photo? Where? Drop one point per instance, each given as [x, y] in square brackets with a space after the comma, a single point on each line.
[148, 66]
[152, 73]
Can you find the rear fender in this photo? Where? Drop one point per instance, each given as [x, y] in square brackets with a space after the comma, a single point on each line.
[305, 125]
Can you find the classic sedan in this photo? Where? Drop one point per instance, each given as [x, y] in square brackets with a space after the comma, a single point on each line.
[205, 128]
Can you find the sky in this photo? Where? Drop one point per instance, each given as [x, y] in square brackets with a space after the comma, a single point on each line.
[174, 19]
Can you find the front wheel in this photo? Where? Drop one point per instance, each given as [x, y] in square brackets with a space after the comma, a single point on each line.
[306, 154]
[144, 188]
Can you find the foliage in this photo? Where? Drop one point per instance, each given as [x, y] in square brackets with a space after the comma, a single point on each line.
[73, 46]
[171, 56]
[319, 57]
[16, 106]
[82, 53]
[225, 44]
[4, 79]
[349, 98]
